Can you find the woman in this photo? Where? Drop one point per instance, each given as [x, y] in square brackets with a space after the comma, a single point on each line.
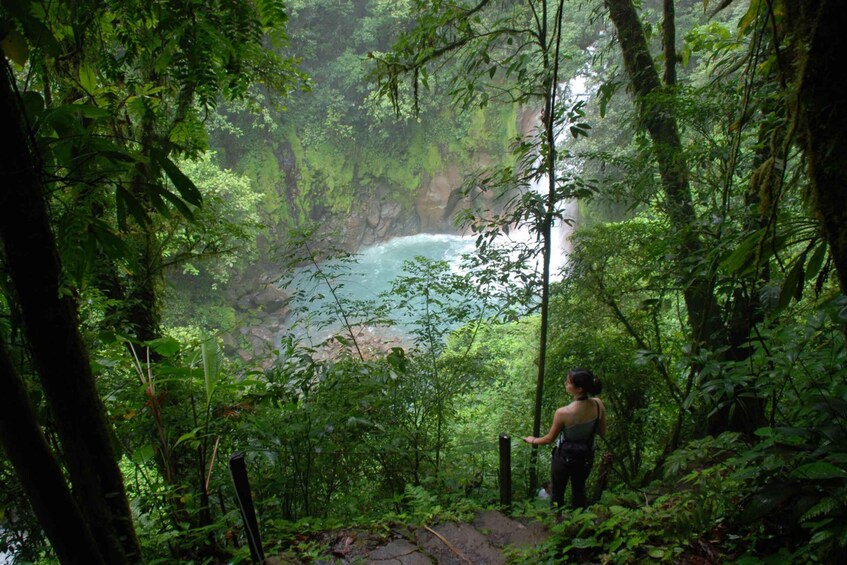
[573, 430]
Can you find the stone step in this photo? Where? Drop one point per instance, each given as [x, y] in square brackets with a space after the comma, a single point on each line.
[458, 544]
[479, 542]
[502, 530]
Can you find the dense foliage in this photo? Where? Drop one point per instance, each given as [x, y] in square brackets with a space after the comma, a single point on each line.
[704, 282]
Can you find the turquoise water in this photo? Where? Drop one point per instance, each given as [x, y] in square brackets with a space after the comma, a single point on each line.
[314, 312]
[315, 315]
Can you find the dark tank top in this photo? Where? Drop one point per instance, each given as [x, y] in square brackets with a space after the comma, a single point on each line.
[582, 432]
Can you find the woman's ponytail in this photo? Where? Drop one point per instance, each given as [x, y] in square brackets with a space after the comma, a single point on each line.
[597, 388]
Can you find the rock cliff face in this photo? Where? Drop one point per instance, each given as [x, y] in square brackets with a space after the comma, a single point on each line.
[379, 218]
[433, 204]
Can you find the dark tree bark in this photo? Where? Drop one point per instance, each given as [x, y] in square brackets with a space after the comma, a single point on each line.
[51, 328]
[657, 117]
[669, 41]
[821, 41]
[39, 472]
[743, 413]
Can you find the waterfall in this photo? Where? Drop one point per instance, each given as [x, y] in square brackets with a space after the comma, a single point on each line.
[571, 91]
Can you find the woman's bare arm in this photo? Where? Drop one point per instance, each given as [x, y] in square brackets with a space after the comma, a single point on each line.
[558, 424]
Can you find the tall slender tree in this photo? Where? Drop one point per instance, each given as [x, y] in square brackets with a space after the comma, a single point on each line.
[509, 53]
[818, 45]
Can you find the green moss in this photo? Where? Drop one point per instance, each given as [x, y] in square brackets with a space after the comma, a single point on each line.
[334, 174]
[433, 163]
[404, 175]
[261, 166]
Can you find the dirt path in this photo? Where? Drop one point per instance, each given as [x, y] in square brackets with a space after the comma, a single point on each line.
[486, 540]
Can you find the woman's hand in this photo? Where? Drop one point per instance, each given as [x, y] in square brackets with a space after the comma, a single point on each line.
[530, 440]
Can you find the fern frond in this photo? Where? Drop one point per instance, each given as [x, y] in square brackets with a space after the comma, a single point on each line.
[823, 508]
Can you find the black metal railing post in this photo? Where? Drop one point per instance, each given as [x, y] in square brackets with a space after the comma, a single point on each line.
[505, 471]
[238, 470]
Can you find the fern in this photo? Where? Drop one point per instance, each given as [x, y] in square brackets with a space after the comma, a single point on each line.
[823, 508]
[271, 12]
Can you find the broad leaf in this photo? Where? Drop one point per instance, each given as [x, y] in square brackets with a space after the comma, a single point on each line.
[819, 470]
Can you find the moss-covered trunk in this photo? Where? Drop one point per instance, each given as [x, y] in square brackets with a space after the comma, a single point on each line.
[656, 115]
[818, 27]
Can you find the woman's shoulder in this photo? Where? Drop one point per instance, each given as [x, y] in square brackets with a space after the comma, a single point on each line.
[599, 402]
[564, 412]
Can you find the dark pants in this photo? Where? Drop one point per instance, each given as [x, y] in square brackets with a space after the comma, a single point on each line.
[574, 467]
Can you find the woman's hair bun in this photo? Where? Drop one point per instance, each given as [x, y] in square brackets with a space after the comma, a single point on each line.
[585, 379]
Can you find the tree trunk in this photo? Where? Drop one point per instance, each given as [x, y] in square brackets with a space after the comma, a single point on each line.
[669, 41]
[40, 473]
[51, 328]
[550, 165]
[822, 115]
[657, 118]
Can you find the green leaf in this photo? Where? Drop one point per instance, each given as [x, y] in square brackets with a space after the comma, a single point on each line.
[184, 185]
[585, 543]
[175, 200]
[211, 366]
[765, 502]
[185, 437]
[749, 17]
[143, 453]
[342, 340]
[606, 91]
[38, 34]
[354, 421]
[742, 260]
[127, 204]
[164, 346]
[14, 46]
[87, 78]
[108, 240]
[819, 470]
[792, 284]
[91, 111]
[33, 104]
[816, 260]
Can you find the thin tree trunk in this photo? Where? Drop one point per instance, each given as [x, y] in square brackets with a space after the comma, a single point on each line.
[669, 41]
[547, 223]
[52, 331]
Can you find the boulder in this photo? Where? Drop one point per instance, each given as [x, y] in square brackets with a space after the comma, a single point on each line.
[431, 202]
[270, 298]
